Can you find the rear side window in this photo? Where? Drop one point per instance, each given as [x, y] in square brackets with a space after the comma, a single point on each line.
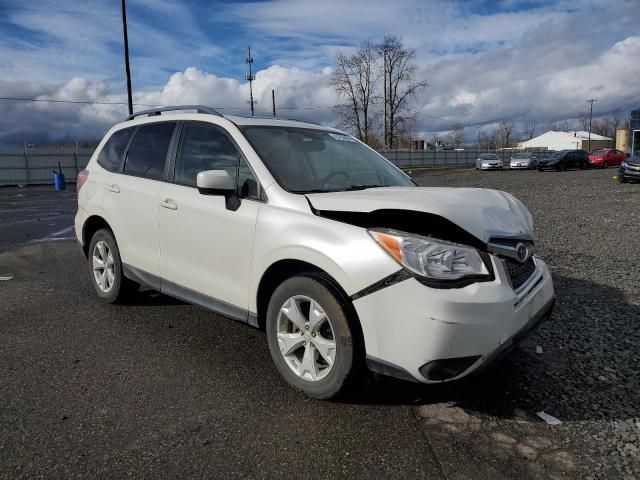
[111, 154]
[148, 151]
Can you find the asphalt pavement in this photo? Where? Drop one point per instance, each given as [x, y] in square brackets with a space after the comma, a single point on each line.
[161, 389]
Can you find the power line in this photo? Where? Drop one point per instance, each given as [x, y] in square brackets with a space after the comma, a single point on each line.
[81, 102]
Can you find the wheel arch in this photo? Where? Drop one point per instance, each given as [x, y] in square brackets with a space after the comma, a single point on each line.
[90, 227]
[281, 270]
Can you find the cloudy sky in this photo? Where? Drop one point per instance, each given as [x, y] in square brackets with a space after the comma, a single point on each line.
[484, 61]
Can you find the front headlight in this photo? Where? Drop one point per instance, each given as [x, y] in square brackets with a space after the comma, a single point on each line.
[431, 258]
[624, 165]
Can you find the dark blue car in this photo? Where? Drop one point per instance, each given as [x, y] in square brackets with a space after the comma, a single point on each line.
[629, 170]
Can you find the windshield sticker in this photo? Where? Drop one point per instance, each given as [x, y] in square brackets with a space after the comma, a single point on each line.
[342, 138]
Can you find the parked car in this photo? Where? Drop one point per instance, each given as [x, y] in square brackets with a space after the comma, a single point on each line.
[523, 160]
[304, 231]
[564, 159]
[606, 157]
[488, 161]
[629, 170]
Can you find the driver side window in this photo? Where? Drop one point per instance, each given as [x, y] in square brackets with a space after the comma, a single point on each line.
[203, 147]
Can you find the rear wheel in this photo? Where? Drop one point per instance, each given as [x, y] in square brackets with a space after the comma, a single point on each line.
[105, 265]
[310, 338]
[605, 164]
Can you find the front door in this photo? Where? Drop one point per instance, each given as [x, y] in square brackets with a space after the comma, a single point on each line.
[204, 246]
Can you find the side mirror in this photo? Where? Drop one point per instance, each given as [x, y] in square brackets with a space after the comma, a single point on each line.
[215, 182]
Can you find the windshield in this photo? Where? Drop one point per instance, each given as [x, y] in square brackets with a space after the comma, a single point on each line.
[521, 156]
[488, 156]
[305, 160]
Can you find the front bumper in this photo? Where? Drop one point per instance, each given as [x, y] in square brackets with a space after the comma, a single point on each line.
[629, 173]
[490, 167]
[409, 325]
[519, 165]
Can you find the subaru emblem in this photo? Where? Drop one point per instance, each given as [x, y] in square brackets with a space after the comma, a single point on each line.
[522, 252]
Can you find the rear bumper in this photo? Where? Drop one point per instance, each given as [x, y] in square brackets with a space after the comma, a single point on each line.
[408, 326]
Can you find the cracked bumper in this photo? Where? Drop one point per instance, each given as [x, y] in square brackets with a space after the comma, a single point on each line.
[408, 325]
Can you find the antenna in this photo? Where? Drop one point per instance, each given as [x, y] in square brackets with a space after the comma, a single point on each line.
[250, 78]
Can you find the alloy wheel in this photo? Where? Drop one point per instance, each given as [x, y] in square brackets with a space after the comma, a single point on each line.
[306, 338]
[103, 266]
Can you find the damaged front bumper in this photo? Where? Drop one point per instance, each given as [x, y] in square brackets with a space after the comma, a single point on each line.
[432, 335]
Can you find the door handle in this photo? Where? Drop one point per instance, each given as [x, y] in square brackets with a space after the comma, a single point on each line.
[114, 188]
[170, 204]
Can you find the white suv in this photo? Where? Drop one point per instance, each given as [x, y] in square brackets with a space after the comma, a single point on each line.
[304, 231]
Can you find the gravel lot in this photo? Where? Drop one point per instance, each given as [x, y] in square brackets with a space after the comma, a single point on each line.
[158, 388]
[587, 228]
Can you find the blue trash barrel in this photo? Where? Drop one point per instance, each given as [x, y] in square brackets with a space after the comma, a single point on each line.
[58, 181]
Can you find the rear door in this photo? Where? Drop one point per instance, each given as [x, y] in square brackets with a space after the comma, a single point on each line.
[206, 249]
[131, 201]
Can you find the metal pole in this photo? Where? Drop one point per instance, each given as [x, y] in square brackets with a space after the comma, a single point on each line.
[590, 101]
[250, 78]
[384, 56]
[126, 56]
[26, 161]
[273, 101]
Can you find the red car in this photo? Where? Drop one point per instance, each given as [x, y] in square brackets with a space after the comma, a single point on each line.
[606, 157]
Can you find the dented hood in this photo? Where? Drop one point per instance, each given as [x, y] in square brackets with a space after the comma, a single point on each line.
[476, 210]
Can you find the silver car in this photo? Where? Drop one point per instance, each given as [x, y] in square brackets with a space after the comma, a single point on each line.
[523, 160]
[488, 161]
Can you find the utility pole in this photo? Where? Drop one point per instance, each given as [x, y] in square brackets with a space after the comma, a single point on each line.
[384, 72]
[126, 55]
[273, 101]
[590, 101]
[250, 78]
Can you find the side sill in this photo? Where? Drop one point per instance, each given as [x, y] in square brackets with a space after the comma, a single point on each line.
[389, 369]
[189, 296]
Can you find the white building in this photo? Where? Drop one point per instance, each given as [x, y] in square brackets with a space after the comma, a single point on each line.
[579, 139]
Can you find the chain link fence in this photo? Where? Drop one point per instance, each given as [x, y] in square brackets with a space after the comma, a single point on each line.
[36, 168]
[450, 158]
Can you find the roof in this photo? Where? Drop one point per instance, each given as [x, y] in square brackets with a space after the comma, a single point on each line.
[553, 135]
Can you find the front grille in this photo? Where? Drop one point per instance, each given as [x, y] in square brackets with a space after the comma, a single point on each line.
[518, 272]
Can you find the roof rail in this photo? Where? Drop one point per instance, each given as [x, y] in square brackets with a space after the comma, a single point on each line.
[157, 111]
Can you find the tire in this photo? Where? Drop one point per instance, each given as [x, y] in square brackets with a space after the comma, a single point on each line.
[582, 166]
[329, 381]
[605, 164]
[621, 179]
[120, 287]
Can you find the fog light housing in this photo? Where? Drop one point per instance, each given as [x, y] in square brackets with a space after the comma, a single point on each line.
[445, 369]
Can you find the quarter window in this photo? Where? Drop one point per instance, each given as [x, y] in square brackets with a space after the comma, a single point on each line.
[148, 151]
[110, 156]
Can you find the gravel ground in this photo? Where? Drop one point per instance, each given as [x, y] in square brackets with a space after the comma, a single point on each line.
[587, 227]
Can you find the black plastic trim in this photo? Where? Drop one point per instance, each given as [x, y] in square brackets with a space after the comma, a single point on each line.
[190, 296]
[397, 277]
[389, 369]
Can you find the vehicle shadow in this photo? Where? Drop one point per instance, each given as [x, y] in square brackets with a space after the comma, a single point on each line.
[147, 297]
[588, 368]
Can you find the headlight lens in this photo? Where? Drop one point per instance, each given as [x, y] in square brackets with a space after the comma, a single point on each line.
[624, 165]
[431, 258]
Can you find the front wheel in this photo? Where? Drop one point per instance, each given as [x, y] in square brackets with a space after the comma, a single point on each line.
[621, 179]
[309, 336]
[105, 265]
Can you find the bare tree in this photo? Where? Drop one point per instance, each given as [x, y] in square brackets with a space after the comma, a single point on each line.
[455, 137]
[435, 140]
[398, 65]
[505, 133]
[584, 121]
[354, 80]
[529, 128]
[560, 126]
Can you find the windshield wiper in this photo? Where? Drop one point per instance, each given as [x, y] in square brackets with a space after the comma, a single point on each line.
[360, 187]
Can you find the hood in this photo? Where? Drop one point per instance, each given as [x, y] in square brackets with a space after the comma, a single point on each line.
[476, 210]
